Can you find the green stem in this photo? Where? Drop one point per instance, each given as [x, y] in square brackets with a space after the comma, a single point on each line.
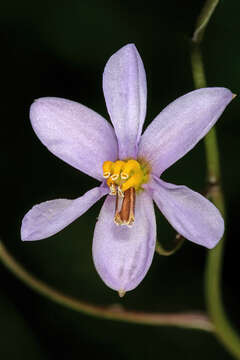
[179, 240]
[203, 20]
[224, 331]
[211, 146]
[182, 320]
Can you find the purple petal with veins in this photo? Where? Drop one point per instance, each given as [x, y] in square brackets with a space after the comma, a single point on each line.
[179, 127]
[125, 91]
[74, 133]
[50, 217]
[122, 255]
[191, 214]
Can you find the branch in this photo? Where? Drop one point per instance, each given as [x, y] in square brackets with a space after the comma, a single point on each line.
[115, 312]
[223, 329]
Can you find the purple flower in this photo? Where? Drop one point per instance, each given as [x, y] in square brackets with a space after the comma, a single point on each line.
[128, 165]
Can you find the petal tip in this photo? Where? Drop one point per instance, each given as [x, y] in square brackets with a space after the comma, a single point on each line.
[213, 244]
[130, 46]
[121, 293]
[39, 103]
[25, 236]
[37, 107]
[225, 93]
[26, 233]
[126, 51]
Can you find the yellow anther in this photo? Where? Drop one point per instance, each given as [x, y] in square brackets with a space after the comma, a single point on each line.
[109, 182]
[114, 177]
[125, 179]
[107, 169]
[116, 169]
[133, 172]
[123, 175]
[129, 168]
[135, 181]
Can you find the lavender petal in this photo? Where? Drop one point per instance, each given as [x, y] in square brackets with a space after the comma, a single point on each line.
[179, 127]
[191, 214]
[48, 218]
[125, 91]
[122, 255]
[74, 133]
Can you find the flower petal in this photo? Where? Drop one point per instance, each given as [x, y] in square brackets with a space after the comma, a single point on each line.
[48, 218]
[74, 133]
[122, 255]
[179, 127]
[191, 214]
[125, 90]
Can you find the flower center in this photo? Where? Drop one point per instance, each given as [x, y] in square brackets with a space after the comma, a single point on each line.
[124, 179]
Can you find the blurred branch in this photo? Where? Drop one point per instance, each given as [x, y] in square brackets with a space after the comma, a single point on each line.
[211, 146]
[203, 20]
[177, 244]
[223, 329]
[188, 320]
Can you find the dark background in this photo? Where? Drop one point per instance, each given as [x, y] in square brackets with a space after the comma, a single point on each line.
[59, 49]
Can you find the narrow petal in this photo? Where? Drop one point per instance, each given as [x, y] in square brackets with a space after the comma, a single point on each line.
[48, 218]
[191, 214]
[125, 90]
[123, 255]
[74, 133]
[179, 127]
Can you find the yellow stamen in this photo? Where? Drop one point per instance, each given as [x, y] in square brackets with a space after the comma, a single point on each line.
[107, 168]
[135, 181]
[112, 186]
[106, 174]
[131, 166]
[133, 172]
[109, 182]
[125, 179]
[116, 169]
[113, 189]
[124, 175]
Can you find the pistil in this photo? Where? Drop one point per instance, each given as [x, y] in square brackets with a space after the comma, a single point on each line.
[124, 214]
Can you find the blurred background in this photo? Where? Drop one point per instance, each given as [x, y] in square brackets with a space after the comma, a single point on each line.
[59, 48]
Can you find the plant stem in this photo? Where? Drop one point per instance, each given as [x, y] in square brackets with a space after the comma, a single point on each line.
[179, 241]
[211, 146]
[115, 312]
[203, 19]
[223, 329]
